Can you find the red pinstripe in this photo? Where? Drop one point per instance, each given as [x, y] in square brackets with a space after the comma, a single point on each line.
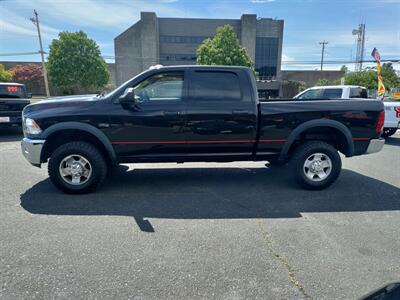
[197, 142]
[212, 142]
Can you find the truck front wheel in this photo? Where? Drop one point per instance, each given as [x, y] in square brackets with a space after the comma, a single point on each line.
[316, 165]
[77, 168]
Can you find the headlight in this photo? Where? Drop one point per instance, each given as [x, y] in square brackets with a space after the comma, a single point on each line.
[31, 127]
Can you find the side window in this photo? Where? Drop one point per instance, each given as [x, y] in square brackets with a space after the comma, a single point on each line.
[311, 95]
[358, 93]
[332, 94]
[165, 86]
[218, 86]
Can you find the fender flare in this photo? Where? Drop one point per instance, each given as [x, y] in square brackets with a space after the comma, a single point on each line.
[319, 123]
[84, 127]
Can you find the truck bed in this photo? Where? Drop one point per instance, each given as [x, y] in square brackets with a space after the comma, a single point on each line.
[279, 119]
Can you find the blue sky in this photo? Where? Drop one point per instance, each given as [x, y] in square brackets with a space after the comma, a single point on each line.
[306, 23]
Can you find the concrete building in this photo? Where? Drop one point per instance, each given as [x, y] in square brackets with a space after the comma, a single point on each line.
[173, 41]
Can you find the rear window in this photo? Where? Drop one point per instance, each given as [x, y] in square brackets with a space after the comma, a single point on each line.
[358, 93]
[12, 91]
[332, 94]
[218, 86]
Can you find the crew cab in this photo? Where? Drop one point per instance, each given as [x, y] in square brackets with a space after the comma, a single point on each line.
[329, 92]
[13, 99]
[195, 114]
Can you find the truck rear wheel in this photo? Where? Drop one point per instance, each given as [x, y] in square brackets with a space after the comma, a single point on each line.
[316, 165]
[77, 168]
[388, 132]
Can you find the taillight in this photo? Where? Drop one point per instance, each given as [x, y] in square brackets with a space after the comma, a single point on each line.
[380, 122]
[397, 110]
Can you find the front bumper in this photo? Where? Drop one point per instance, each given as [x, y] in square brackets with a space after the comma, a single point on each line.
[375, 145]
[32, 150]
[14, 120]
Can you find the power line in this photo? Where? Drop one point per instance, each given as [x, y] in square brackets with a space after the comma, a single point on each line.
[312, 62]
[18, 53]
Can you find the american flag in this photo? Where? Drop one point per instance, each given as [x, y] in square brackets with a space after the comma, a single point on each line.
[375, 54]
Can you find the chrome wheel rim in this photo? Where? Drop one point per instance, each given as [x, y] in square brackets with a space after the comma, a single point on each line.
[75, 169]
[317, 166]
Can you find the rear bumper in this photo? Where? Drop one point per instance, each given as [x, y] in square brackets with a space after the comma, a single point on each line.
[375, 145]
[32, 150]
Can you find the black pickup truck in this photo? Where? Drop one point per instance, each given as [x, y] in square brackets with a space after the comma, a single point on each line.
[13, 99]
[195, 113]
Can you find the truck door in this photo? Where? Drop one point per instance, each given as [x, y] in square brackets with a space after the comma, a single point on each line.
[155, 126]
[221, 113]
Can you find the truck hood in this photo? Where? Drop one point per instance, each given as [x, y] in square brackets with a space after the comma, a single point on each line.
[71, 98]
[68, 102]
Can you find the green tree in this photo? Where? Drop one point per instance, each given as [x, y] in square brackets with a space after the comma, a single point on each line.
[5, 75]
[369, 77]
[26, 73]
[223, 49]
[75, 64]
[322, 82]
[344, 69]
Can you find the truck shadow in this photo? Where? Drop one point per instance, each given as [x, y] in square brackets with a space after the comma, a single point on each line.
[394, 141]
[212, 193]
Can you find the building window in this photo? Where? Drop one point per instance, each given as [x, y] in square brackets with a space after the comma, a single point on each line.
[176, 39]
[177, 57]
[266, 56]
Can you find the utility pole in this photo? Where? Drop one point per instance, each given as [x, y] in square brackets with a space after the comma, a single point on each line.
[323, 43]
[360, 33]
[35, 21]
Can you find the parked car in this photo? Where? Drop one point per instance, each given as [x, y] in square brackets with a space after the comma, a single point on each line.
[330, 92]
[196, 113]
[13, 99]
[392, 109]
[392, 118]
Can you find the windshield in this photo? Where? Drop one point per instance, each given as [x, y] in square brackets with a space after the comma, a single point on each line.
[12, 91]
[120, 89]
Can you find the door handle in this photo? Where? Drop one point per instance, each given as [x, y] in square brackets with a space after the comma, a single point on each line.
[171, 113]
[240, 112]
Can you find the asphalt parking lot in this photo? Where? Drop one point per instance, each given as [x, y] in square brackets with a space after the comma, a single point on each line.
[225, 231]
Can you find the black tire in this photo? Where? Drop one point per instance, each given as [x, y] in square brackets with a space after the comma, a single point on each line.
[388, 132]
[305, 152]
[97, 162]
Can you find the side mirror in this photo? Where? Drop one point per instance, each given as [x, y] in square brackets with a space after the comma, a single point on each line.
[127, 99]
[29, 95]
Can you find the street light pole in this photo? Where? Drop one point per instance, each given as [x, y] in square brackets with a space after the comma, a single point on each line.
[323, 43]
[35, 21]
